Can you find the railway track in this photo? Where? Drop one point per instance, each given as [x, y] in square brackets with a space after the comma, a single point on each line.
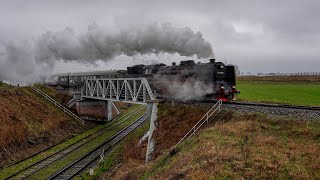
[317, 108]
[37, 166]
[79, 165]
[304, 112]
[207, 101]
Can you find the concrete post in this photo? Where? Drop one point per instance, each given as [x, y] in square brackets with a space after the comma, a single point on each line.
[115, 108]
[152, 111]
[109, 110]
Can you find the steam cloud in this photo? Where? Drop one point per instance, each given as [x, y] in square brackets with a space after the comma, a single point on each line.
[24, 62]
[184, 90]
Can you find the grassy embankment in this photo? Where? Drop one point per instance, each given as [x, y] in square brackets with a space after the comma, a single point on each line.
[62, 98]
[17, 167]
[29, 123]
[280, 90]
[247, 146]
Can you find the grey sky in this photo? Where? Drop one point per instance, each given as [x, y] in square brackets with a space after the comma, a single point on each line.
[266, 36]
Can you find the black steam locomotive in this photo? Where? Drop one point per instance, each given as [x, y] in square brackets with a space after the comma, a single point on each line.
[187, 81]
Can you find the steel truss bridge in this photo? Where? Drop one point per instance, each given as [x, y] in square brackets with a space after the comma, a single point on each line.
[131, 90]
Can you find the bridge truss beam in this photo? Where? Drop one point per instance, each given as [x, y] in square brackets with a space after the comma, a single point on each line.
[131, 90]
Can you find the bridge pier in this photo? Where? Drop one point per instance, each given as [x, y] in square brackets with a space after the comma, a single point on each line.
[152, 113]
[98, 108]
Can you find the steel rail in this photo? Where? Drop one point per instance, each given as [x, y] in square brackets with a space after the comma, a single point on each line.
[211, 101]
[73, 146]
[78, 165]
[316, 108]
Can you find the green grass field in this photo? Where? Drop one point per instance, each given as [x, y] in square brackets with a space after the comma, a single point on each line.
[294, 93]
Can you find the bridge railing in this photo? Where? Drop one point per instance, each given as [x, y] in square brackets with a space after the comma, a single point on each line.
[134, 90]
[205, 119]
[57, 104]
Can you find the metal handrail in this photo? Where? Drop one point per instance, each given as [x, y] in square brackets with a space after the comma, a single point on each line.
[205, 119]
[54, 102]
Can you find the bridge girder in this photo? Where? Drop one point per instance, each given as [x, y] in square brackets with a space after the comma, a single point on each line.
[130, 90]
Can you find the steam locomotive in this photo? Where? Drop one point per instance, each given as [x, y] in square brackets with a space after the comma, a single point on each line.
[187, 81]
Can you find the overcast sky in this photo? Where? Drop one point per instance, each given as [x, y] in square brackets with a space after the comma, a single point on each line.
[259, 36]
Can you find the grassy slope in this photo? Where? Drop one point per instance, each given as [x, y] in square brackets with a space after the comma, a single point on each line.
[24, 115]
[62, 98]
[17, 167]
[249, 146]
[296, 93]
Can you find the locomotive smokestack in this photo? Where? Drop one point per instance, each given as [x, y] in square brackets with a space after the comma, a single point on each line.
[173, 63]
[212, 60]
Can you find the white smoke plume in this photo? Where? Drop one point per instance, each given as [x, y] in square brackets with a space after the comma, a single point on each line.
[18, 65]
[183, 90]
[24, 62]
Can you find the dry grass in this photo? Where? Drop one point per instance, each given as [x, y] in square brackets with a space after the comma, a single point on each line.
[123, 106]
[62, 97]
[249, 146]
[29, 123]
[174, 123]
